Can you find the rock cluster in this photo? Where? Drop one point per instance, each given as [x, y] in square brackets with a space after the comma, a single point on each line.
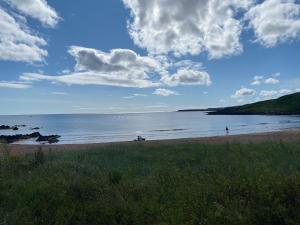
[39, 138]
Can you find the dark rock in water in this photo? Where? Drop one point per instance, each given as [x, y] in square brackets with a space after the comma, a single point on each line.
[4, 127]
[18, 137]
[50, 139]
[34, 128]
[35, 135]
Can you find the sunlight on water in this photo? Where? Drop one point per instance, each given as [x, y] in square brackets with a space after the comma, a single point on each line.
[153, 126]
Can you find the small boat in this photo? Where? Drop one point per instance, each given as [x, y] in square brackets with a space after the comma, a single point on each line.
[140, 138]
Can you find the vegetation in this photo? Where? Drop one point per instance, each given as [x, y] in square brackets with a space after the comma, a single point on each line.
[154, 184]
[286, 105]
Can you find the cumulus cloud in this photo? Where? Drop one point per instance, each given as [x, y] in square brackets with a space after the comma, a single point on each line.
[37, 9]
[275, 21]
[214, 26]
[271, 81]
[17, 41]
[187, 27]
[243, 92]
[119, 67]
[14, 85]
[164, 92]
[186, 76]
[124, 68]
[117, 60]
[258, 80]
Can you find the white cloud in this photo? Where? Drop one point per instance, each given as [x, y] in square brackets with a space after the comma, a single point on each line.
[134, 96]
[124, 68]
[17, 43]
[37, 9]
[187, 76]
[257, 80]
[276, 75]
[92, 78]
[117, 60]
[66, 71]
[212, 26]
[268, 94]
[187, 27]
[14, 85]
[243, 92]
[164, 92]
[285, 91]
[119, 67]
[275, 21]
[276, 93]
[271, 81]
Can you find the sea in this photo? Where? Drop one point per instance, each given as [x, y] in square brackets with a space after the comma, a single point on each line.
[101, 128]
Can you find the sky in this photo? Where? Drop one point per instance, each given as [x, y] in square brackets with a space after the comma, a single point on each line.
[119, 56]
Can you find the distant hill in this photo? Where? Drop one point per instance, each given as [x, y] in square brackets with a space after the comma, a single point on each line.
[286, 105]
[197, 110]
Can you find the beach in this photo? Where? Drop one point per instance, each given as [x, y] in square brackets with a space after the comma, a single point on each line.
[284, 136]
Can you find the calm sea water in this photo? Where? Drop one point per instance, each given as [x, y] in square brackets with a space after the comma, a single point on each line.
[98, 128]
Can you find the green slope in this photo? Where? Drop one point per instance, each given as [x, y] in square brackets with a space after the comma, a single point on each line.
[286, 105]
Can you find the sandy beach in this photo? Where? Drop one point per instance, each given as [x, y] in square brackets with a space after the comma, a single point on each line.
[286, 136]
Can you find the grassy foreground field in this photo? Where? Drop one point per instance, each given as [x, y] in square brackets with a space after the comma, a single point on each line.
[194, 183]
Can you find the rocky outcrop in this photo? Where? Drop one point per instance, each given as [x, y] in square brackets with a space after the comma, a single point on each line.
[4, 127]
[19, 137]
[51, 139]
[34, 128]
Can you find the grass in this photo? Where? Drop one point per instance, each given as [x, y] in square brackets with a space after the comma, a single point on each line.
[164, 184]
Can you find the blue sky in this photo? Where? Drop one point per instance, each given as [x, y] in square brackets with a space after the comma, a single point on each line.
[139, 56]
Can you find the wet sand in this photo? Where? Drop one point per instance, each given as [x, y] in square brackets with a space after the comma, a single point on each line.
[285, 136]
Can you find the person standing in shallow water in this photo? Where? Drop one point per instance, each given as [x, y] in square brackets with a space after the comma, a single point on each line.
[227, 130]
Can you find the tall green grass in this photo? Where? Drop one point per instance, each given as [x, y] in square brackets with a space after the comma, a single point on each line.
[154, 184]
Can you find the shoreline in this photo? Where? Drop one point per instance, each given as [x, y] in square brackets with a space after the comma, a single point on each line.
[276, 136]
